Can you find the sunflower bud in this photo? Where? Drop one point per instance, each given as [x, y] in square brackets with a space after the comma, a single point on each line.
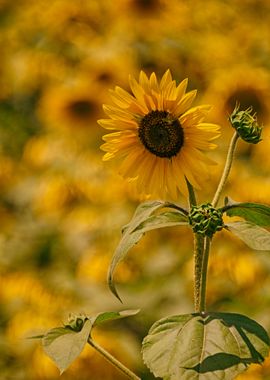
[246, 125]
[206, 220]
[75, 323]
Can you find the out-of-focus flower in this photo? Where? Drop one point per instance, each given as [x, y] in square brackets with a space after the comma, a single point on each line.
[73, 106]
[256, 371]
[159, 136]
[240, 272]
[93, 268]
[246, 85]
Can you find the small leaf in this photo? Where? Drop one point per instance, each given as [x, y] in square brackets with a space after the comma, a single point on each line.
[254, 236]
[204, 346]
[253, 212]
[133, 232]
[63, 345]
[112, 315]
[35, 337]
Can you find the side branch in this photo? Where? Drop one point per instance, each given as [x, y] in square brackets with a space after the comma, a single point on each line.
[226, 170]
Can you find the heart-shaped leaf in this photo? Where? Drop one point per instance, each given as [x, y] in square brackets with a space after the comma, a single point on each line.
[63, 345]
[204, 346]
[254, 236]
[142, 221]
[253, 212]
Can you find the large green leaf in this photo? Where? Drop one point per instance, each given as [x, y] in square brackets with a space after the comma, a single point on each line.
[254, 236]
[143, 220]
[204, 346]
[253, 212]
[64, 344]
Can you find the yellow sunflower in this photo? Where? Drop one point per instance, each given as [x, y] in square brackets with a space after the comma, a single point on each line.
[159, 137]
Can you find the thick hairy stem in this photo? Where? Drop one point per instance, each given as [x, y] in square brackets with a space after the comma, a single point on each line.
[198, 252]
[226, 170]
[198, 260]
[202, 295]
[113, 360]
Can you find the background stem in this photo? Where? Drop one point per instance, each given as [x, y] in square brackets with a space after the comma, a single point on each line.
[226, 170]
[113, 360]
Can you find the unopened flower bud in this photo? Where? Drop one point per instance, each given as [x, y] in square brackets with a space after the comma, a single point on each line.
[206, 220]
[75, 323]
[246, 125]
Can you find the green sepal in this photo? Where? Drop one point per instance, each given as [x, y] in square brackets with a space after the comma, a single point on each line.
[204, 346]
[64, 344]
[143, 220]
[205, 219]
[252, 212]
[246, 125]
[254, 236]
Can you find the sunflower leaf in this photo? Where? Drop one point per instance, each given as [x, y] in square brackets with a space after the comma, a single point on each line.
[142, 221]
[112, 315]
[166, 219]
[254, 236]
[204, 346]
[252, 212]
[64, 345]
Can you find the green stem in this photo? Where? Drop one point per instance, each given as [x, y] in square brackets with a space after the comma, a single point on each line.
[226, 169]
[113, 360]
[203, 282]
[198, 259]
[198, 252]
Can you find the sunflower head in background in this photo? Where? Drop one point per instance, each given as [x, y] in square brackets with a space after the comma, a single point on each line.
[158, 136]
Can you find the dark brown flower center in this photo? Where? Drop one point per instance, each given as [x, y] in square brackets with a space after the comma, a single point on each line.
[161, 134]
[81, 108]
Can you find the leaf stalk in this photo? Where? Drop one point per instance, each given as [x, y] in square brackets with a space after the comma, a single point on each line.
[113, 360]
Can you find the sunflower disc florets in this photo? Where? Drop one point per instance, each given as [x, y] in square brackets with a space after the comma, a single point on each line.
[205, 219]
[246, 125]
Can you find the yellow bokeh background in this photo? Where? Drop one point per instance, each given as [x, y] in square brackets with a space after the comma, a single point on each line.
[62, 209]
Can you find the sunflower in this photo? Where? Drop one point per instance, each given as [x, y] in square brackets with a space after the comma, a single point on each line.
[159, 137]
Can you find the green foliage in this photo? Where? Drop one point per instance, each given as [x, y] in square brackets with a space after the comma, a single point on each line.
[64, 344]
[252, 212]
[254, 236]
[204, 346]
[143, 221]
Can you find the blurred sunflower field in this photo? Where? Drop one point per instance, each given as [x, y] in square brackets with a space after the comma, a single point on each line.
[62, 209]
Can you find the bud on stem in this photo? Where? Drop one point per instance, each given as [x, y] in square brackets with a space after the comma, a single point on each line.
[246, 125]
[205, 220]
